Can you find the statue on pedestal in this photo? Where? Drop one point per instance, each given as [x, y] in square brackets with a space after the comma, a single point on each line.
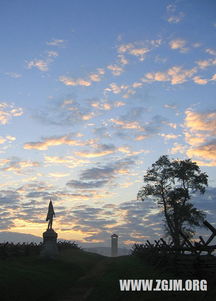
[50, 215]
[49, 248]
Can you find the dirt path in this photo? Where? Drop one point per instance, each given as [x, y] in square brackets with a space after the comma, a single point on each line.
[83, 287]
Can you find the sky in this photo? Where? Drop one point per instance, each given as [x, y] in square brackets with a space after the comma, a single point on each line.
[92, 94]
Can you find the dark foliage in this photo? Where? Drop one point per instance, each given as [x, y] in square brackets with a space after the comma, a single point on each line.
[8, 250]
[172, 183]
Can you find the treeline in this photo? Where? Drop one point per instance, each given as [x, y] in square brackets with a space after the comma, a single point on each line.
[10, 249]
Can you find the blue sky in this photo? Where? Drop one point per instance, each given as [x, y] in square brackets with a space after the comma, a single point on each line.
[92, 93]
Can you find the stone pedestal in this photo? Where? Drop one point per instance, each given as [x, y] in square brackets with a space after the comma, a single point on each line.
[49, 248]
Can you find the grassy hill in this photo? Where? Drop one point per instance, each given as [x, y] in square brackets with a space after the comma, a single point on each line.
[78, 275]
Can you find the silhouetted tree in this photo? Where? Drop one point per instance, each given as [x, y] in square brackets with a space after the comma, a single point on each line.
[171, 184]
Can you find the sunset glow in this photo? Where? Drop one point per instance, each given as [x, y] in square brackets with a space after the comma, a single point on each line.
[93, 93]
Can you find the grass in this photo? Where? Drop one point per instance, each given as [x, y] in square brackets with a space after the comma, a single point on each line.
[31, 278]
[78, 275]
[129, 267]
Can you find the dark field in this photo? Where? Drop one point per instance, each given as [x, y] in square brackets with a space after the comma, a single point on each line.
[78, 275]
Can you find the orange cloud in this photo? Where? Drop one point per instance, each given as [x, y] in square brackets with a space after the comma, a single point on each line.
[96, 77]
[7, 111]
[127, 125]
[17, 165]
[119, 104]
[200, 81]
[122, 59]
[58, 175]
[69, 161]
[39, 64]
[178, 44]
[101, 106]
[206, 152]
[140, 137]
[54, 141]
[169, 136]
[200, 121]
[94, 154]
[175, 75]
[114, 88]
[178, 148]
[206, 63]
[116, 70]
[200, 130]
[74, 82]
[138, 49]
[93, 77]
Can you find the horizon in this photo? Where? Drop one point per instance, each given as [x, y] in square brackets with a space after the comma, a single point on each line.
[92, 95]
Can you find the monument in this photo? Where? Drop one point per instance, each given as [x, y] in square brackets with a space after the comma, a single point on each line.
[114, 245]
[49, 248]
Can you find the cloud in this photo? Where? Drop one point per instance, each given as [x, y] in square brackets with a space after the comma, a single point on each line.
[7, 139]
[88, 116]
[34, 187]
[170, 106]
[41, 65]
[74, 82]
[45, 143]
[122, 59]
[5, 143]
[169, 136]
[200, 121]
[137, 85]
[176, 19]
[98, 173]
[58, 175]
[56, 42]
[128, 90]
[206, 152]
[116, 89]
[101, 106]
[119, 104]
[68, 161]
[10, 197]
[175, 75]
[213, 77]
[116, 70]
[52, 53]
[178, 148]
[133, 221]
[96, 77]
[211, 51]
[174, 16]
[206, 63]
[132, 122]
[127, 125]
[7, 111]
[200, 81]
[200, 130]
[140, 137]
[17, 165]
[2, 140]
[93, 77]
[86, 185]
[97, 177]
[13, 74]
[139, 52]
[101, 150]
[66, 112]
[138, 49]
[178, 44]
